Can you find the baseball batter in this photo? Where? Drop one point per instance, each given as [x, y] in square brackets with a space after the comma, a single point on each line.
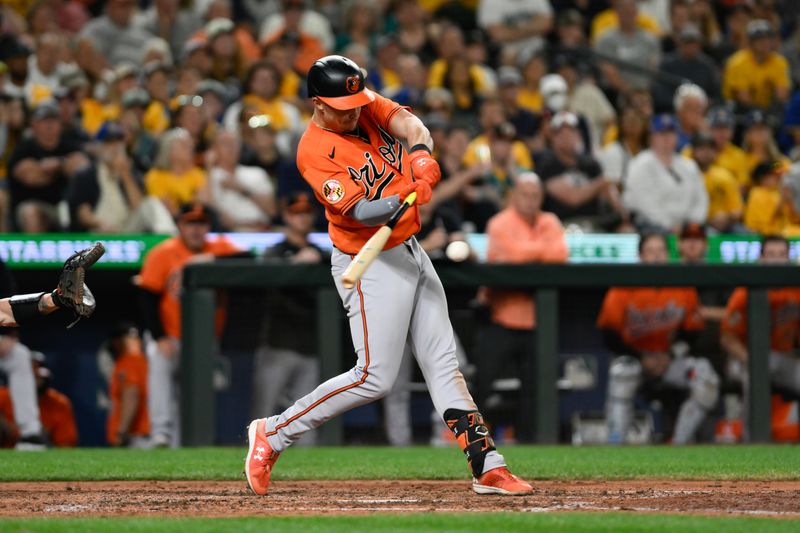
[353, 157]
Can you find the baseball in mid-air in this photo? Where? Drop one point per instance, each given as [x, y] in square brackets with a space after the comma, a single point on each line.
[457, 251]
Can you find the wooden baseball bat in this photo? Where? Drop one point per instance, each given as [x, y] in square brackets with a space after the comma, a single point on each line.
[374, 245]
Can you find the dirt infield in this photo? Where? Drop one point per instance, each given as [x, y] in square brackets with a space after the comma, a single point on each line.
[206, 498]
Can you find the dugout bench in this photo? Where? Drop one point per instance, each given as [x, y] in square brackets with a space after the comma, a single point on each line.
[201, 280]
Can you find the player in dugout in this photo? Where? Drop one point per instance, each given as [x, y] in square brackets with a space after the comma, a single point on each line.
[784, 305]
[353, 157]
[643, 327]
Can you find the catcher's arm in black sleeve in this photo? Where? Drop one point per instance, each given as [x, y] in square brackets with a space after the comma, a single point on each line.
[71, 293]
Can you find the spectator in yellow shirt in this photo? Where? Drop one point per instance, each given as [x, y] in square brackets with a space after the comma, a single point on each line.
[759, 144]
[729, 156]
[174, 178]
[764, 213]
[533, 68]
[724, 198]
[757, 76]
[609, 19]
[491, 115]
[157, 117]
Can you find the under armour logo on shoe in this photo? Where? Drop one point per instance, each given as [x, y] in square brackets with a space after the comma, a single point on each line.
[259, 456]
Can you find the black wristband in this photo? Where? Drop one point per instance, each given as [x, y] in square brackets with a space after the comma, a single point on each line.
[420, 147]
[25, 307]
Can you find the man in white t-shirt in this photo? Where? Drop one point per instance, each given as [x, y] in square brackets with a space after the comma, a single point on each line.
[665, 190]
[243, 196]
[516, 24]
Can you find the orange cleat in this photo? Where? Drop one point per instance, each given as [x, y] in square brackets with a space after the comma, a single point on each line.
[501, 481]
[260, 457]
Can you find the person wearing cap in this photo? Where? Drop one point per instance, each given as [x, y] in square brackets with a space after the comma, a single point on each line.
[721, 124]
[652, 333]
[114, 35]
[228, 61]
[664, 189]
[354, 157]
[156, 118]
[692, 247]
[595, 112]
[107, 197]
[496, 168]
[758, 143]
[309, 31]
[286, 363]
[490, 115]
[766, 211]
[627, 44]
[171, 21]
[243, 196]
[513, 25]
[55, 409]
[14, 53]
[128, 423]
[40, 168]
[757, 76]
[784, 330]
[724, 197]
[140, 145]
[215, 99]
[509, 81]
[521, 233]
[690, 63]
[576, 190]
[160, 304]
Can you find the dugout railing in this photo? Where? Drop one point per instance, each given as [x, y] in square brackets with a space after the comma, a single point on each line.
[200, 282]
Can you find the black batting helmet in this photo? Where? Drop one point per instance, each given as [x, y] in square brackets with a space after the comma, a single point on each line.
[339, 82]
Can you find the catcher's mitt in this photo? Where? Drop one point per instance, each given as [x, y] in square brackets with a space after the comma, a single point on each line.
[71, 292]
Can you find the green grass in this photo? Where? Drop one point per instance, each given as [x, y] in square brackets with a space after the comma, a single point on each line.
[535, 462]
[416, 523]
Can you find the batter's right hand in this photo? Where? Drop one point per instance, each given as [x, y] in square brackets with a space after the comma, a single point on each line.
[423, 190]
[424, 167]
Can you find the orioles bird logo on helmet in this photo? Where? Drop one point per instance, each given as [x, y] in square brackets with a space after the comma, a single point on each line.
[353, 84]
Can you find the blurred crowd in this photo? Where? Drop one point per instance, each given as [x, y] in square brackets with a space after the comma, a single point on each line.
[637, 115]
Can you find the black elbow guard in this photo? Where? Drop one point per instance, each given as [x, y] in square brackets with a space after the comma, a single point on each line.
[25, 307]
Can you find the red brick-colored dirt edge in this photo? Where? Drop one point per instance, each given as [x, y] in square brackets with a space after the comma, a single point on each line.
[220, 499]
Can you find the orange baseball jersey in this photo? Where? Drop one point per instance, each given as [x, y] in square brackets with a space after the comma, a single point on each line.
[130, 369]
[58, 420]
[344, 168]
[55, 412]
[162, 273]
[784, 306]
[7, 415]
[647, 318]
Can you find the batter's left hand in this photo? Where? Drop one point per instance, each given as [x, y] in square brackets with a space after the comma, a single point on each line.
[424, 166]
[423, 190]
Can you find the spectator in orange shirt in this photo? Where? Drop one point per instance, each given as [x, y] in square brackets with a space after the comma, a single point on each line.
[160, 281]
[642, 325]
[521, 233]
[55, 410]
[128, 421]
